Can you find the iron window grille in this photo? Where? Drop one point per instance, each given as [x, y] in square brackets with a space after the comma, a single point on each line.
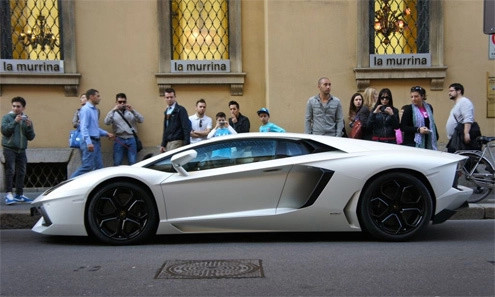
[31, 29]
[200, 29]
[414, 38]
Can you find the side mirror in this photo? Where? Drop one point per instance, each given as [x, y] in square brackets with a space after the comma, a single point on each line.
[180, 159]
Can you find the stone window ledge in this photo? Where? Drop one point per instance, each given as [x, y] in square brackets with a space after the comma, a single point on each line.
[235, 80]
[436, 74]
[70, 81]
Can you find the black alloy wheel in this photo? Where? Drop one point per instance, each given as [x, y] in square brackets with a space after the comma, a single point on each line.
[122, 213]
[395, 207]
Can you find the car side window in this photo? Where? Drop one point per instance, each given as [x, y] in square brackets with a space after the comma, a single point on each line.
[232, 153]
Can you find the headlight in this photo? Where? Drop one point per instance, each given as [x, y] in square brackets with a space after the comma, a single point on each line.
[57, 186]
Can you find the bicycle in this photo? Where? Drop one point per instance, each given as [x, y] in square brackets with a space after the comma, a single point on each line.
[478, 172]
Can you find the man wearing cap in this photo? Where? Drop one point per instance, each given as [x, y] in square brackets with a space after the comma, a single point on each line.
[266, 125]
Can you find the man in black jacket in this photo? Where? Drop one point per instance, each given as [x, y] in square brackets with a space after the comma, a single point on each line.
[176, 124]
[239, 122]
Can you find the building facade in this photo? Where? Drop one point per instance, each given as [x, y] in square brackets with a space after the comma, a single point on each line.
[260, 53]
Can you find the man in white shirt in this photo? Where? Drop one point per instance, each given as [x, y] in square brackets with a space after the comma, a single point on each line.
[461, 113]
[201, 124]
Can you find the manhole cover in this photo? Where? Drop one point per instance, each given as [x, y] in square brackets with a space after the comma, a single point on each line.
[190, 269]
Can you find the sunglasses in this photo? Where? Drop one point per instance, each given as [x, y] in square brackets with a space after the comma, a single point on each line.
[121, 102]
[200, 123]
[417, 88]
[384, 98]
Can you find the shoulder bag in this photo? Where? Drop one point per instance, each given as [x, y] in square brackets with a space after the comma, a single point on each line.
[139, 144]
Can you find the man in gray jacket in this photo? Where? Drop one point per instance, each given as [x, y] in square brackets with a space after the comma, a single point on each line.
[324, 115]
[17, 130]
[124, 119]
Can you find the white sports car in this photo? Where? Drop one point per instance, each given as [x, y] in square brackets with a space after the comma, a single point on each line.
[260, 182]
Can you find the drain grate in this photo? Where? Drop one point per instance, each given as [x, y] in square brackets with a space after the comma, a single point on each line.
[197, 269]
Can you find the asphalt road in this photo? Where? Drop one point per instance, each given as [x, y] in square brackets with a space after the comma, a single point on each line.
[454, 259]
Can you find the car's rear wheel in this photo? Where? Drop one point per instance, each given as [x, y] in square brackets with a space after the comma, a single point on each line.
[395, 207]
[122, 213]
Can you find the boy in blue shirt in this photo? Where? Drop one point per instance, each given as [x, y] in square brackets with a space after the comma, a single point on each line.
[222, 128]
[266, 125]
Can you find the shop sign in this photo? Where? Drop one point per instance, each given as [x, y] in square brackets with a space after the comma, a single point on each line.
[31, 66]
[400, 61]
[200, 66]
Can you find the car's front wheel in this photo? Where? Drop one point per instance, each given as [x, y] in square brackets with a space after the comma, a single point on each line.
[122, 213]
[395, 207]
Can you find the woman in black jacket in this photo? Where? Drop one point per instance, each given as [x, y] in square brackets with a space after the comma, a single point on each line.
[384, 118]
[418, 123]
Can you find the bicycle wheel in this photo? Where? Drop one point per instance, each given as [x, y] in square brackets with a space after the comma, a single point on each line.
[482, 179]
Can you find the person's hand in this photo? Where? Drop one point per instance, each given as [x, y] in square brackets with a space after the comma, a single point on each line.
[162, 149]
[234, 119]
[424, 130]
[467, 138]
[219, 125]
[91, 147]
[378, 109]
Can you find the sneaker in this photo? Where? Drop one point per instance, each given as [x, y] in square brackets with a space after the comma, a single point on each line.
[9, 199]
[22, 198]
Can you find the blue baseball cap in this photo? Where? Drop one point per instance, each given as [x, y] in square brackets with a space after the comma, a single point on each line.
[263, 110]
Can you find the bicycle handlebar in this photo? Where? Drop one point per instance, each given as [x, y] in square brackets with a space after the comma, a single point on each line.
[485, 139]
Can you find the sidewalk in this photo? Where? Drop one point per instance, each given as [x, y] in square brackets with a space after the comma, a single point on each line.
[17, 216]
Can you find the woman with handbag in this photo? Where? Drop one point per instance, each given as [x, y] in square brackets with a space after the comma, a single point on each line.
[418, 122]
[358, 116]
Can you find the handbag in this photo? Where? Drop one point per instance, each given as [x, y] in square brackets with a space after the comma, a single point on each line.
[398, 136]
[357, 130]
[75, 138]
[139, 144]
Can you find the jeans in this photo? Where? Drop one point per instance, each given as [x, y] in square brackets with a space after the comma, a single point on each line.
[15, 162]
[123, 146]
[90, 160]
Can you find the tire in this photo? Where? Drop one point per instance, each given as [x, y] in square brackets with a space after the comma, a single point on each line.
[122, 213]
[482, 179]
[395, 207]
